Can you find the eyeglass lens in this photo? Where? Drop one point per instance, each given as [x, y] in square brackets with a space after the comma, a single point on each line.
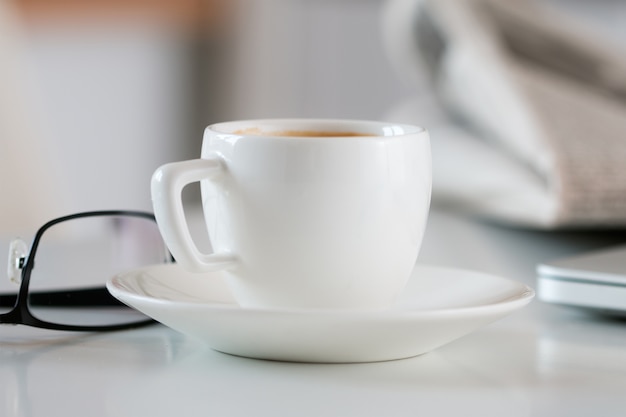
[7, 288]
[81, 254]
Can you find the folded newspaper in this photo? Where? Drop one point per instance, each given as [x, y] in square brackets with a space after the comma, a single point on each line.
[533, 130]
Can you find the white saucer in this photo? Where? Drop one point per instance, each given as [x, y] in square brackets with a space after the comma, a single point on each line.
[438, 306]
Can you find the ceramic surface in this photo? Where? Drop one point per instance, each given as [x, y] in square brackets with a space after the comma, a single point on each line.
[438, 306]
[304, 222]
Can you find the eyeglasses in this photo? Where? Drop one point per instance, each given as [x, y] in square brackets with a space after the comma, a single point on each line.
[61, 278]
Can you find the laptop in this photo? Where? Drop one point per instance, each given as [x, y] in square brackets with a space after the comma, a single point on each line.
[593, 280]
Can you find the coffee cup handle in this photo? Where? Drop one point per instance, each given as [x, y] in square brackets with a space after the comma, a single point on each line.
[167, 185]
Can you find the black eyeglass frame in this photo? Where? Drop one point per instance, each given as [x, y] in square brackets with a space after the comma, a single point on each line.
[21, 313]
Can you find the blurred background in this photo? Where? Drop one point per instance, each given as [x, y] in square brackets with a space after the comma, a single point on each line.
[96, 94]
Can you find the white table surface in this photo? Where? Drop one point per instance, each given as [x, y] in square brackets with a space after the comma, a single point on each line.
[541, 361]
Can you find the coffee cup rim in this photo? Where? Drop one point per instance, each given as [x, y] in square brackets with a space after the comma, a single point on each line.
[270, 127]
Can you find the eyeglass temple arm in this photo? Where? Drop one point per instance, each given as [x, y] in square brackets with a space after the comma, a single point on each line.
[88, 297]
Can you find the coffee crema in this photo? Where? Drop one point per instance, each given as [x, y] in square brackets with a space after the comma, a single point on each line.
[255, 131]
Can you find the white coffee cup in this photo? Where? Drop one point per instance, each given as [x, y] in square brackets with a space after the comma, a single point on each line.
[304, 214]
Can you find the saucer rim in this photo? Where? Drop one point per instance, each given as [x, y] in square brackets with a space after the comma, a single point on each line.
[523, 296]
